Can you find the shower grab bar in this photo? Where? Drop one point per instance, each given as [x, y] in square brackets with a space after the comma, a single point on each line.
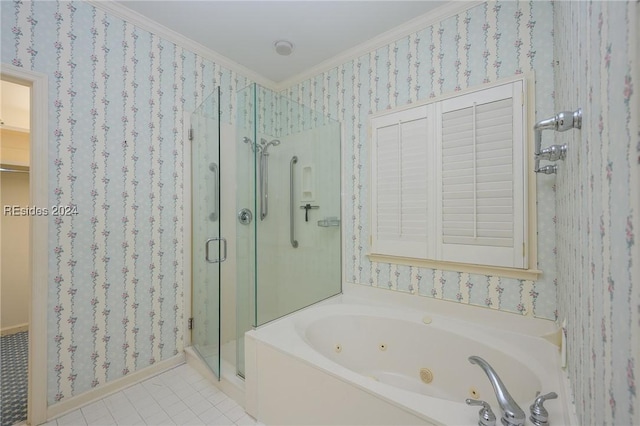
[264, 185]
[294, 243]
[216, 187]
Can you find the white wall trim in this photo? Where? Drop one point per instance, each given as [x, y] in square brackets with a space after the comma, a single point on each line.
[416, 24]
[15, 129]
[14, 329]
[139, 20]
[112, 387]
[39, 230]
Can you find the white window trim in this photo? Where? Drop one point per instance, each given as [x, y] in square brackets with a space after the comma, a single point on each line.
[530, 271]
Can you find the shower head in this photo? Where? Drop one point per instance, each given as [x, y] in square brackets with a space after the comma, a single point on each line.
[251, 144]
[274, 142]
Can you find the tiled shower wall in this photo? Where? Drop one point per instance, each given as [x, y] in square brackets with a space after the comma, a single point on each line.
[117, 98]
[481, 45]
[598, 188]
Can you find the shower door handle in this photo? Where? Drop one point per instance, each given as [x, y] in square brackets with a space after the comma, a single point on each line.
[224, 250]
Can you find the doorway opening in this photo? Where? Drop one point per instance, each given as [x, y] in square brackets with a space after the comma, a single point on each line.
[24, 248]
[14, 233]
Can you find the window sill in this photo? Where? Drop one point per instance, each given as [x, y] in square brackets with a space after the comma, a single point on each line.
[521, 274]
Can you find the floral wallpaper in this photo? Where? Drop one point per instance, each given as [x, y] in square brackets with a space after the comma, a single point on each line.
[118, 97]
[481, 45]
[598, 203]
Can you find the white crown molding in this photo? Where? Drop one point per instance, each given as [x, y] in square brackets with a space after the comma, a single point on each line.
[116, 9]
[443, 12]
[423, 21]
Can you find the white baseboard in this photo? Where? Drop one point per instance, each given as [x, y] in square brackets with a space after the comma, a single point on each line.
[14, 329]
[112, 387]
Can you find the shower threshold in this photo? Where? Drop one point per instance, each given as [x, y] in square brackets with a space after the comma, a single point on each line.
[230, 383]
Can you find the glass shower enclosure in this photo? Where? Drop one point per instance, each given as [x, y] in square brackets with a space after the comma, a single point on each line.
[288, 196]
[281, 169]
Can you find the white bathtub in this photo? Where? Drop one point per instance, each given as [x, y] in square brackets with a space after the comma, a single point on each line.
[348, 361]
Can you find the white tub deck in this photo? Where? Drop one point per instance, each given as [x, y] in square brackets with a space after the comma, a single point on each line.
[307, 368]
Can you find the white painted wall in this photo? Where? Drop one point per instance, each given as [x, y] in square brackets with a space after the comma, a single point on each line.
[15, 106]
[15, 148]
[14, 232]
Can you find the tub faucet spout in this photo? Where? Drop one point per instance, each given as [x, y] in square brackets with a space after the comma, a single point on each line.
[512, 413]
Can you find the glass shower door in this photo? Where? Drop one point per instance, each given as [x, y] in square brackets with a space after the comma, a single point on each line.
[208, 246]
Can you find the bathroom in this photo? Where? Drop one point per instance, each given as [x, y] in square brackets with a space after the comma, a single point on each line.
[583, 55]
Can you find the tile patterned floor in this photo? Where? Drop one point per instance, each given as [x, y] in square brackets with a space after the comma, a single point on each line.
[180, 396]
[14, 355]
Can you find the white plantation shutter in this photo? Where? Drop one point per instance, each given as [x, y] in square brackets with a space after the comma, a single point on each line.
[449, 181]
[399, 171]
[481, 184]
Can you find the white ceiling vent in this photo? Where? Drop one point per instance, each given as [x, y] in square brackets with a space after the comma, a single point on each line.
[283, 47]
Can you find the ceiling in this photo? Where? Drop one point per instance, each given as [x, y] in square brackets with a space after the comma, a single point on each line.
[245, 31]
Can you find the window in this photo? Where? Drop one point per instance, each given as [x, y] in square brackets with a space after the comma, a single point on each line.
[401, 181]
[448, 180]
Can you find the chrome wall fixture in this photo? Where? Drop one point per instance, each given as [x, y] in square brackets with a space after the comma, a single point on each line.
[292, 232]
[263, 168]
[561, 122]
[264, 176]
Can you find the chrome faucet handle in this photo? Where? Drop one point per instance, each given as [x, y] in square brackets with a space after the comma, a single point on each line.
[553, 153]
[487, 418]
[539, 414]
[548, 170]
